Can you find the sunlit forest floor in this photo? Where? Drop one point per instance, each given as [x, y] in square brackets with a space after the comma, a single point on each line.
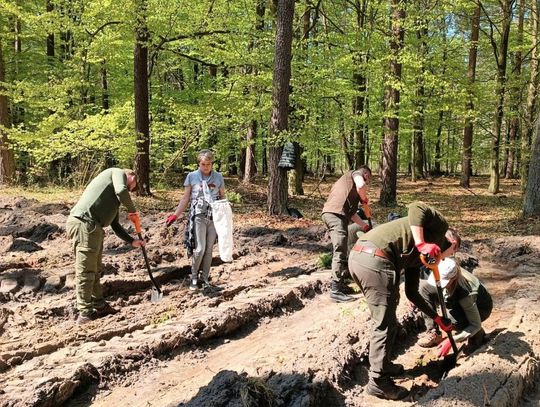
[268, 332]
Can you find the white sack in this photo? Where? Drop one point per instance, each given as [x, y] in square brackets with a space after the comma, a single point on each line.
[223, 222]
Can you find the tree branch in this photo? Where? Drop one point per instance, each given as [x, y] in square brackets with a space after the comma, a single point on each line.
[93, 34]
[192, 35]
[181, 54]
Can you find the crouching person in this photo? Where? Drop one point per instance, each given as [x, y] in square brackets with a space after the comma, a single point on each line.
[468, 304]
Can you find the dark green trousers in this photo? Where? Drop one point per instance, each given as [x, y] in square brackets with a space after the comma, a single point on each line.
[337, 228]
[379, 282]
[87, 244]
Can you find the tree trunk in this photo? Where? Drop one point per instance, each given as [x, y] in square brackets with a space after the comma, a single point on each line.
[418, 119]
[50, 36]
[360, 82]
[346, 144]
[438, 142]
[532, 94]
[7, 160]
[298, 171]
[515, 117]
[471, 76]
[501, 56]
[250, 168]
[296, 176]
[277, 177]
[142, 119]
[104, 88]
[531, 200]
[391, 107]
[359, 132]
[17, 112]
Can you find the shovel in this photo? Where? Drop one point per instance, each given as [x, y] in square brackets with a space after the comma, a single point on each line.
[156, 294]
[449, 361]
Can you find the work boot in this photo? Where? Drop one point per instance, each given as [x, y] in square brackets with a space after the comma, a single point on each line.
[336, 295]
[86, 318]
[430, 339]
[105, 310]
[193, 286]
[394, 369]
[385, 388]
[345, 288]
[475, 341]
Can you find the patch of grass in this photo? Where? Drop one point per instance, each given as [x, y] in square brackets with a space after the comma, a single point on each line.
[162, 318]
[233, 197]
[256, 393]
[47, 194]
[325, 260]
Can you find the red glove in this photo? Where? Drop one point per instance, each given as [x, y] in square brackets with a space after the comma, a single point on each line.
[444, 323]
[366, 228]
[136, 220]
[366, 202]
[431, 249]
[444, 347]
[170, 219]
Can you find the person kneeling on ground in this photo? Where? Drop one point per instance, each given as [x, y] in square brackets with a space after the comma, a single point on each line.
[375, 263]
[468, 304]
[98, 208]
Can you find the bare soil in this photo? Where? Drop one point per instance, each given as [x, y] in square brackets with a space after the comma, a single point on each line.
[267, 335]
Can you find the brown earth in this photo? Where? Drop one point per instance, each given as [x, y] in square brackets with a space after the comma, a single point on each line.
[268, 335]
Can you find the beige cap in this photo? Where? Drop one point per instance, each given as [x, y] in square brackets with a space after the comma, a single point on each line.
[448, 269]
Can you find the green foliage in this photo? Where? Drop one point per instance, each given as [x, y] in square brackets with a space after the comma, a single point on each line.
[233, 197]
[211, 74]
[325, 260]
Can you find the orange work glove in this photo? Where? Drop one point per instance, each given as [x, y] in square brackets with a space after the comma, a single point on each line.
[136, 220]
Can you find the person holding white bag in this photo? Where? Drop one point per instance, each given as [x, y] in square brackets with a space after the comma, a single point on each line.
[205, 192]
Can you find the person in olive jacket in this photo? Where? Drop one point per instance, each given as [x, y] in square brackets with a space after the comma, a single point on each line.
[97, 208]
[376, 262]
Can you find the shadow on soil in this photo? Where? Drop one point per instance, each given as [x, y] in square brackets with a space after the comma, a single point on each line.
[231, 389]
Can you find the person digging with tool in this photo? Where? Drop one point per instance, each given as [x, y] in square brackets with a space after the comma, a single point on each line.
[201, 188]
[468, 304]
[338, 211]
[97, 208]
[375, 263]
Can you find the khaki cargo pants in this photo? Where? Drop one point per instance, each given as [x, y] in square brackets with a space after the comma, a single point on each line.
[379, 282]
[87, 244]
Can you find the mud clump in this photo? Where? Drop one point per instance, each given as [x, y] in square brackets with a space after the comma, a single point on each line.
[40, 232]
[231, 389]
[24, 245]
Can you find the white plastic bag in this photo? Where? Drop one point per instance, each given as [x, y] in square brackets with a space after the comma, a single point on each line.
[223, 222]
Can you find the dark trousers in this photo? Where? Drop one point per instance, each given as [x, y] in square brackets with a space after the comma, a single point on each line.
[455, 312]
[379, 281]
[337, 228]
